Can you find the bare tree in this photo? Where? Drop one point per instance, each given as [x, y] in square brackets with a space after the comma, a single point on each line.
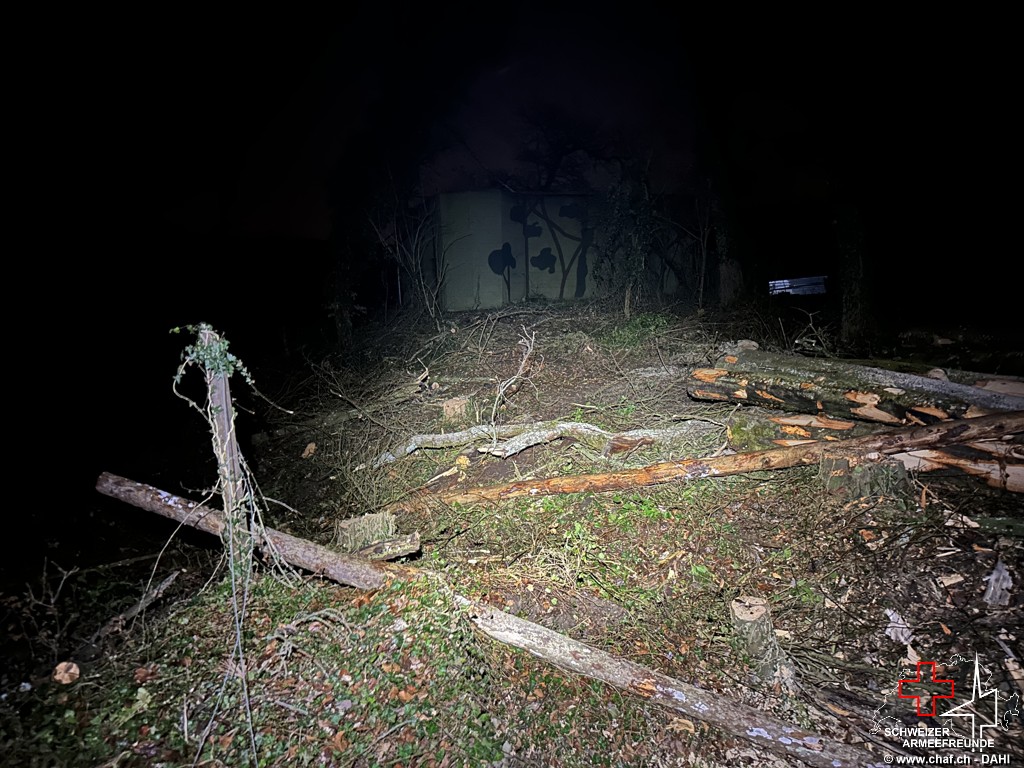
[407, 232]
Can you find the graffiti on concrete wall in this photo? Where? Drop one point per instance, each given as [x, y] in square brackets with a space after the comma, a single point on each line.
[562, 242]
[502, 262]
[500, 248]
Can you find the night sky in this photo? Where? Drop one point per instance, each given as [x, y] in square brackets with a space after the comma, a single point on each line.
[172, 170]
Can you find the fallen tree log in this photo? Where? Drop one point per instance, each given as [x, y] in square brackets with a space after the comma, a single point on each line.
[344, 569]
[867, 448]
[754, 429]
[842, 390]
[1000, 463]
[518, 437]
[716, 709]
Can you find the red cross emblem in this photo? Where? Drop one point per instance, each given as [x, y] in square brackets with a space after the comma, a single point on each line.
[929, 679]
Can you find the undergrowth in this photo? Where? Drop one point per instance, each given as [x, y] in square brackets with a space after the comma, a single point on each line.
[400, 676]
[397, 677]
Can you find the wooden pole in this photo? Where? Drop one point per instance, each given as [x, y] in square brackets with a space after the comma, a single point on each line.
[237, 537]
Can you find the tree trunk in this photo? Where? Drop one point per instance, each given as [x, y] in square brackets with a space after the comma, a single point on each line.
[344, 569]
[717, 709]
[842, 390]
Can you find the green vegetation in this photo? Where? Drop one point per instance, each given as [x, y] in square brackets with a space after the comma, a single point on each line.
[401, 676]
[398, 676]
[636, 331]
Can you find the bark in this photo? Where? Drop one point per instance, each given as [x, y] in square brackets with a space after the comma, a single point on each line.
[391, 549]
[687, 470]
[752, 625]
[999, 585]
[1000, 463]
[344, 569]
[237, 537]
[516, 438]
[716, 709]
[842, 390]
[753, 429]
[453, 439]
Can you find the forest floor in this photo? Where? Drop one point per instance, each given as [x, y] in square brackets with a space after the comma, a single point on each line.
[860, 587]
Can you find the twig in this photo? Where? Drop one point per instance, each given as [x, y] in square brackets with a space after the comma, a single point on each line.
[117, 623]
[510, 386]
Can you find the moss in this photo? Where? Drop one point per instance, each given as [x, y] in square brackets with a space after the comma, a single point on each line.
[751, 434]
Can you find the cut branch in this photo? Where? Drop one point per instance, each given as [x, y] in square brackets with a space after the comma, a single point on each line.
[344, 569]
[869, 447]
[1000, 463]
[118, 622]
[519, 437]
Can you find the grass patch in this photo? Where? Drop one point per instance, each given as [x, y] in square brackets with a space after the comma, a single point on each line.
[398, 676]
[636, 331]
